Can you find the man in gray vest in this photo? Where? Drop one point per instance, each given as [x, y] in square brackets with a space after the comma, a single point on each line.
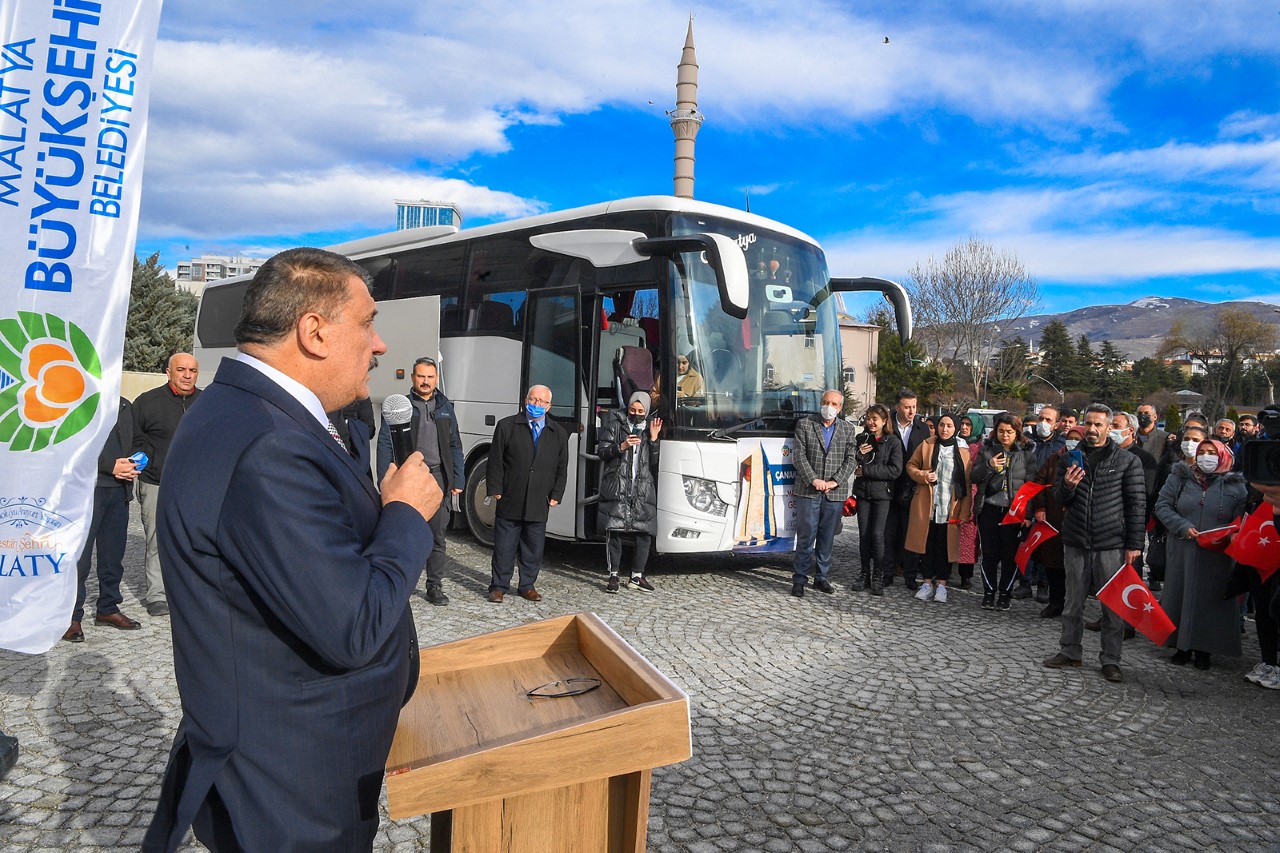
[434, 429]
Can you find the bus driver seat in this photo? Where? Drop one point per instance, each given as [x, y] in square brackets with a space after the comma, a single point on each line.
[633, 371]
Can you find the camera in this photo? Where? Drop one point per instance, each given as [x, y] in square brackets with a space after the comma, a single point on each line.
[1260, 462]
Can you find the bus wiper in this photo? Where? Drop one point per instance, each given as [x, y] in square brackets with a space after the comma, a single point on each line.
[790, 414]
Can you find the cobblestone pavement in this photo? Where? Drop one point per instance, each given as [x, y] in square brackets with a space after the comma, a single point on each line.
[825, 723]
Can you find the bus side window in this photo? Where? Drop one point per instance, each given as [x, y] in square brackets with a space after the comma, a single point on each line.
[429, 270]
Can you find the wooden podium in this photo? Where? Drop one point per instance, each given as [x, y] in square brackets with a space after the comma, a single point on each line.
[500, 771]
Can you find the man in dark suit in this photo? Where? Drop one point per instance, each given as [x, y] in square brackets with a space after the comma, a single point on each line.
[108, 531]
[913, 430]
[528, 467]
[288, 579]
[825, 457]
[434, 430]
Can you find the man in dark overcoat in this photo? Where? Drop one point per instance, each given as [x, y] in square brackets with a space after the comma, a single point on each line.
[527, 471]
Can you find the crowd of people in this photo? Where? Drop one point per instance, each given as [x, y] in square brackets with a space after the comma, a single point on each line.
[947, 493]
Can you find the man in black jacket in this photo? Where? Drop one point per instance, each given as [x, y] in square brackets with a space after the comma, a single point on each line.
[108, 530]
[1102, 531]
[527, 472]
[434, 429]
[155, 419]
[912, 430]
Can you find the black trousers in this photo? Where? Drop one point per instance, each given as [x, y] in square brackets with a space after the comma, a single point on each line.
[639, 556]
[517, 540]
[873, 516]
[896, 522]
[999, 548]
[108, 531]
[438, 522]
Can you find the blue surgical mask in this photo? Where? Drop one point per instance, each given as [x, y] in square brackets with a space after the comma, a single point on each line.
[535, 411]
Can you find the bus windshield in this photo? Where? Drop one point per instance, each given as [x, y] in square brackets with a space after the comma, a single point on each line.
[758, 373]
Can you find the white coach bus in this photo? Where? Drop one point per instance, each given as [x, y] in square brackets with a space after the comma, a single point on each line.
[596, 303]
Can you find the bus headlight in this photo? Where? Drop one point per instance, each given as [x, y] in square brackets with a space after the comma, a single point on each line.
[702, 496]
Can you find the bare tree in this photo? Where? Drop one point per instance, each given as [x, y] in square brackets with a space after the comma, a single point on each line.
[1220, 346]
[963, 302]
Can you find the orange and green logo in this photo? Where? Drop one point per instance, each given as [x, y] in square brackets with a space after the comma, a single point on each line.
[49, 374]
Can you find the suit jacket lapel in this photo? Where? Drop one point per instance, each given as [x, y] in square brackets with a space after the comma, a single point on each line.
[240, 375]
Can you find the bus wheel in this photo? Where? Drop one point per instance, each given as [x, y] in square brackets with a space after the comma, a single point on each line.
[479, 507]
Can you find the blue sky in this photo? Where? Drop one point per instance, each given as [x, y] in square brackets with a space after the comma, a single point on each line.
[1119, 149]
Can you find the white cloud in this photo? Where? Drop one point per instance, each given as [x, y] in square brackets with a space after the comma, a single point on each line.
[312, 201]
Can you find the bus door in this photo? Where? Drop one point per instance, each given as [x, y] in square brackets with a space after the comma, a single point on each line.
[551, 357]
[621, 335]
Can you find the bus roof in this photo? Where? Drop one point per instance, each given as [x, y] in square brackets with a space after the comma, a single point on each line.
[415, 237]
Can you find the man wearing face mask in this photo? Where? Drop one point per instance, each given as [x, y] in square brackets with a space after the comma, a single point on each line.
[1149, 436]
[824, 456]
[1123, 433]
[1048, 436]
[527, 472]
[1103, 529]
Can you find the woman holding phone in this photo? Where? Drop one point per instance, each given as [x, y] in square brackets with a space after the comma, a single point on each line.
[879, 465]
[1004, 465]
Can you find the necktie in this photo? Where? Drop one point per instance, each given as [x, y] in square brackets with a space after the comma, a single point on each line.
[333, 431]
[537, 431]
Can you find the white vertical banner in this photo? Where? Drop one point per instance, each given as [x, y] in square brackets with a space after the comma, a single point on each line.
[74, 83]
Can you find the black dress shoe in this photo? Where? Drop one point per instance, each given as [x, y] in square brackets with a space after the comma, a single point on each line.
[1095, 625]
[8, 754]
[1201, 660]
[1181, 657]
[1051, 611]
[1112, 673]
[436, 596]
[797, 589]
[821, 585]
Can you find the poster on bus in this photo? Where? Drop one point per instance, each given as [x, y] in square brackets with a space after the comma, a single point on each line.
[765, 519]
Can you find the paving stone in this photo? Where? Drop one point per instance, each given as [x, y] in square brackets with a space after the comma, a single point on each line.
[821, 724]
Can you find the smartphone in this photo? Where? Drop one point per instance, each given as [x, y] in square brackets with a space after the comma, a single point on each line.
[1075, 457]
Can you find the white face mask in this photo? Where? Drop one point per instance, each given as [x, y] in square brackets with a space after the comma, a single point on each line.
[1116, 436]
[829, 412]
[1189, 448]
[1073, 443]
[1044, 429]
[1207, 463]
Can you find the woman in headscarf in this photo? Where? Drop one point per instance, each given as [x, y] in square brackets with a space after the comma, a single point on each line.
[972, 426]
[628, 446]
[879, 466]
[1004, 465]
[1200, 496]
[940, 468]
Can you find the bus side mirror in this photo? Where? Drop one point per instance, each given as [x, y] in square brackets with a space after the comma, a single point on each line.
[604, 247]
[894, 292]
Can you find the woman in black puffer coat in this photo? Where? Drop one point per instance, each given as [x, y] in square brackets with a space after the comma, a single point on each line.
[880, 464]
[628, 446]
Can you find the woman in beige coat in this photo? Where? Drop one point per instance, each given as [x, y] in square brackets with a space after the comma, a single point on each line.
[943, 501]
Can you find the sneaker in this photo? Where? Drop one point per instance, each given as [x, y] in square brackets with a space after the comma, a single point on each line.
[989, 599]
[436, 596]
[940, 594]
[639, 582]
[1272, 681]
[797, 589]
[1002, 603]
[925, 593]
[1021, 591]
[1260, 672]
[823, 585]
[612, 585]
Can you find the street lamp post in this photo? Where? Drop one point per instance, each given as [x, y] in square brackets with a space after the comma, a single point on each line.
[1061, 394]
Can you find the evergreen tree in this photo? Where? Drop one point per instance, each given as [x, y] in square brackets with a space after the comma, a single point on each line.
[1086, 366]
[1172, 419]
[1057, 357]
[162, 318]
[1114, 386]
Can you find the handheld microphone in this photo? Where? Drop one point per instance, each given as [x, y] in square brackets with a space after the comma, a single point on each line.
[397, 416]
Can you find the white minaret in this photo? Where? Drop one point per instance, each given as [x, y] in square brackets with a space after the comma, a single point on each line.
[685, 118]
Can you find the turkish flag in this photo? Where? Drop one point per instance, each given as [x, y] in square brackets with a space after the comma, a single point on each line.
[1018, 509]
[1037, 535]
[1218, 538]
[1129, 598]
[1257, 544]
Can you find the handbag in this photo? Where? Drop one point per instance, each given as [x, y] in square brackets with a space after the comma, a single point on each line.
[1156, 551]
